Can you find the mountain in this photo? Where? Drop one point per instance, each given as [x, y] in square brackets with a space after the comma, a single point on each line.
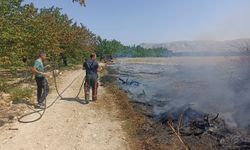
[202, 46]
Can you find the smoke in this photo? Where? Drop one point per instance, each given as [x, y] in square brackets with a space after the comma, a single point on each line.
[228, 30]
[233, 25]
[206, 85]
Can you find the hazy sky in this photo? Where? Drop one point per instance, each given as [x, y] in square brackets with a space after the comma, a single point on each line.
[137, 21]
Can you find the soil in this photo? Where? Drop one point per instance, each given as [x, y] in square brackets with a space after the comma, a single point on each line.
[70, 124]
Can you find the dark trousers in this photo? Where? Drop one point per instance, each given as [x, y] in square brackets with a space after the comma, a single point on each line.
[42, 89]
[91, 82]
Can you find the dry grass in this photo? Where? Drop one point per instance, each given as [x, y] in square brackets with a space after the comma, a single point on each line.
[16, 91]
[142, 133]
[116, 102]
[12, 104]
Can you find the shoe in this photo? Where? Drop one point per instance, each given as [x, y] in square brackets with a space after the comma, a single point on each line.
[40, 106]
[86, 98]
[94, 99]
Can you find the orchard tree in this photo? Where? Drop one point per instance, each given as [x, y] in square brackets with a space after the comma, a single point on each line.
[24, 31]
[107, 48]
[81, 2]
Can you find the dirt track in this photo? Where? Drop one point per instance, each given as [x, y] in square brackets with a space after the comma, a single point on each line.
[68, 124]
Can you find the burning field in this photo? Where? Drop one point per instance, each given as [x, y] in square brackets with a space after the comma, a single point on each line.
[202, 101]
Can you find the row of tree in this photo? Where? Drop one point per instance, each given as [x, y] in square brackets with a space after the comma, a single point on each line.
[138, 51]
[107, 49]
[26, 30]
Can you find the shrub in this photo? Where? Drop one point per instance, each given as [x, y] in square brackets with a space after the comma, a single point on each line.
[3, 87]
[18, 95]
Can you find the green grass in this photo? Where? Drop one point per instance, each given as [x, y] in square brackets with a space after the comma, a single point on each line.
[18, 95]
[3, 86]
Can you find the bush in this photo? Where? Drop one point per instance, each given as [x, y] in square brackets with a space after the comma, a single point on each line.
[3, 87]
[5, 61]
[19, 95]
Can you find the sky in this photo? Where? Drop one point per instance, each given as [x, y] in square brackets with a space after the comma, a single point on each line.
[158, 21]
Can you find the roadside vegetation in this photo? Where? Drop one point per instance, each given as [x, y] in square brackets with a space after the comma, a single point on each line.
[107, 49]
[26, 30]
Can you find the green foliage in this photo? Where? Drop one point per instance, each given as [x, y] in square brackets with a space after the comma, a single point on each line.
[25, 30]
[19, 94]
[81, 2]
[110, 48]
[107, 48]
[3, 87]
[138, 51]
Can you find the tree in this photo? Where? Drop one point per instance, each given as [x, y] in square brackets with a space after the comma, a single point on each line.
[138, 51]
[106, 48]
[81, 2]
[24, 31]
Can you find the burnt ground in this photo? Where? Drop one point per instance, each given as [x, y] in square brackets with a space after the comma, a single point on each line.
[152, 134]
[181, 129]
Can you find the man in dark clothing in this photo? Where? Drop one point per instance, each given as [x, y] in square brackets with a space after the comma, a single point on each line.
[91, 79]
[42, 84]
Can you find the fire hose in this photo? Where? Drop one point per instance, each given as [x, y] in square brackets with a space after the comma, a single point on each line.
[43, 110]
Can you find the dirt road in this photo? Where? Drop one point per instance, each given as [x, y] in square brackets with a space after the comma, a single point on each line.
[68, 124]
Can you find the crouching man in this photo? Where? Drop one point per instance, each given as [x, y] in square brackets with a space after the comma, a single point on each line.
[40, 76]
[91, 79]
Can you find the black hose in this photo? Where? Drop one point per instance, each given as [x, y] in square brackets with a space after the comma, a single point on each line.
[77, 96]
[46, 107]
[60, 94]
[28, 114]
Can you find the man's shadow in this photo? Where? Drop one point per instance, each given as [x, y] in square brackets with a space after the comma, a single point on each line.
[75, 99]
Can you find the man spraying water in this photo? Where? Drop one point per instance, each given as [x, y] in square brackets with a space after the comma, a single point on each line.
[91, 80]
[40, 76]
